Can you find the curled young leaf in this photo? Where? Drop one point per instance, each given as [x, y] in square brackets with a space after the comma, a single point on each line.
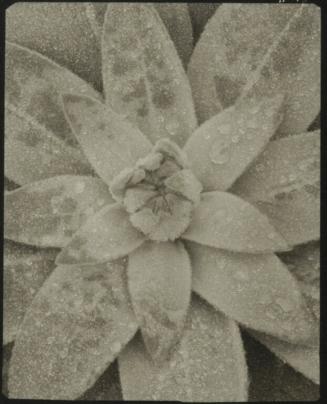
[207, 366]
[24, 271]
[106, 236]
[47, 213]
[284, 183]
[267, 48]
[76, 326]
[223, 147]
[143, 76]
[256, 290]
[110, 143]
[225, 221]
[159, 280]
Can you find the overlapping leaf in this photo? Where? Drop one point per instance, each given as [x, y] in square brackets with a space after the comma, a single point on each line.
[223, 147]
[25, 270]
[256, 290]
[267, 49]
[76, 326]
[284, 182]
[35, 123]
[63, 32]
[200, 14]
[225, 221]
[143, 76]
[47, 213]
[106, 236]
[110, 142]
[208, 364]
[159, 279]
[177, 20]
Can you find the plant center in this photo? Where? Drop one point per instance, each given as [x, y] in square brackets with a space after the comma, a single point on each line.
[159, 192]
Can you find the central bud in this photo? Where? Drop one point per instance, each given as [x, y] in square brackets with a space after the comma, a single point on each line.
[159, 193]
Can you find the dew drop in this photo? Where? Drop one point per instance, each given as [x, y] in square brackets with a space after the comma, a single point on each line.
[172, 127]
[235, 139]
[219, 153]
[284, 304]
[241, 276]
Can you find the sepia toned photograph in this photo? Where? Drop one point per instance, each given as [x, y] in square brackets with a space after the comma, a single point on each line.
[161, 201]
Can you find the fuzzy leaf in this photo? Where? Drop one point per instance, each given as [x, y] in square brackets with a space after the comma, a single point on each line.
[266, 48]
[76, 326]
[63, 32]
[208, 364]
[106, 236]
[143, 75]
[25, 270]
[304, 263]
[284, 182]
[224, 146]
[225, 221]
[33, 153]
[303, 359]
[110, 142]
[34, 85]
[256, 290]
[159, 279]
[47, 213]
[177, 20]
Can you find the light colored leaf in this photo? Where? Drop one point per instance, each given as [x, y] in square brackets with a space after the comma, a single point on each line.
[24, 271]
[63, 32]
[76, 326]
[276, 47]
[106, 236]
[47, 213]
[143, 75]
[302, 358]
[208, 365]
[110, 142]
[224, 146]
[159, 280]
[224, 221]
[33, 153]
[177, 20]
[256, 290]
[34, 85]
[284, 183]
[304, 263]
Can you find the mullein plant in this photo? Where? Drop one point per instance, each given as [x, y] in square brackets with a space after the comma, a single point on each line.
[158, 212]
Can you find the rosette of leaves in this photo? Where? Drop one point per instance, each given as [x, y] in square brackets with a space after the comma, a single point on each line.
[154, 219]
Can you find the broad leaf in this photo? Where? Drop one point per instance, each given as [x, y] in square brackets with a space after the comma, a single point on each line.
[76, 326]
[303, 359]
[177, 20]
[224, 146]
[33, 153]
[110, 142]
[284, 182]
[225, 221]
[34, 85]
[47, 213]
[24, 271]
[159, 279]
[266, 48]
[63, 32]
[106, 236]
[143, 75]
[256, 290]
[208, 365]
